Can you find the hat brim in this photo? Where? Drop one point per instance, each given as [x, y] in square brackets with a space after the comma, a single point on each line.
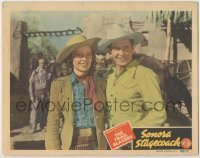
[105, 43]
[67, 50]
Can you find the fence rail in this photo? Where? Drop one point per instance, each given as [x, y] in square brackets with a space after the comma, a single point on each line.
[54, 33]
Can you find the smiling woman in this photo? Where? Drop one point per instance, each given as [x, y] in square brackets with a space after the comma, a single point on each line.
[84, 127]
[82, 60]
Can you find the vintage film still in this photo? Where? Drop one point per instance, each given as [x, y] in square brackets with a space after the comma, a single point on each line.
[100, 78]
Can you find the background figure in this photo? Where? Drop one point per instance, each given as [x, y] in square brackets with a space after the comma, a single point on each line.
[64, 69]
[39, 84]
[54, 68]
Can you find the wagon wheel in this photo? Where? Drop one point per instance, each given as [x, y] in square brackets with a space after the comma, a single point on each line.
[186, 74]
[178, 90]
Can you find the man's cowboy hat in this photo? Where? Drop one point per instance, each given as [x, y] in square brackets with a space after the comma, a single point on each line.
[76, 42]
[119, 32]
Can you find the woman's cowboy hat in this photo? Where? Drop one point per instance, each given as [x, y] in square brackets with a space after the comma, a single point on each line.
[119, 32]
[76, 42]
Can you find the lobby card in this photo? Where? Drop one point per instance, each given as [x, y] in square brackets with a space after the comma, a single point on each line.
[100, 78]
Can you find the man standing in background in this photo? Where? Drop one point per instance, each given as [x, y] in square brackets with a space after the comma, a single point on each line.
[39, 85]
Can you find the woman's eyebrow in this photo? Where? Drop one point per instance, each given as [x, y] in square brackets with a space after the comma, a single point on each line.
[77, 52]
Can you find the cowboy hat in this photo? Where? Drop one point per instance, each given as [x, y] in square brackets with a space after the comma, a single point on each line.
[73, 43]
[118, 32]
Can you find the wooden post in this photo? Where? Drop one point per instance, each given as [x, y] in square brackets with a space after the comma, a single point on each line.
[19, 54]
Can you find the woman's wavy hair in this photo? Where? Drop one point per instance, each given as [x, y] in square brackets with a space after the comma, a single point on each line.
[69, 62]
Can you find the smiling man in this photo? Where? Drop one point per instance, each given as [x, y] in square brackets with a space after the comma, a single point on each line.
[133, 91]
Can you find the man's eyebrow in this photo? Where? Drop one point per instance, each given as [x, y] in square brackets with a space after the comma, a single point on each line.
[124, 46]
[114, 47]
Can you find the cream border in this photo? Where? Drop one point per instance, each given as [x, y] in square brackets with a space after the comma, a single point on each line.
[7, 7]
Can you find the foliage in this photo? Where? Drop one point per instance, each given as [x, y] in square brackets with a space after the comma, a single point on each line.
[181, 24]
[179, 18]
[34, 23]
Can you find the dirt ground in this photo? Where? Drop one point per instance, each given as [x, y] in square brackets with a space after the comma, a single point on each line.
[21, 139]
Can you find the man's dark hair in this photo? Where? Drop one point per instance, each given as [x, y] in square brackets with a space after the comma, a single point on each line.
[130, 40]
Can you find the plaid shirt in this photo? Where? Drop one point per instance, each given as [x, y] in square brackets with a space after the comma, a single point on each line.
[83, 114]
